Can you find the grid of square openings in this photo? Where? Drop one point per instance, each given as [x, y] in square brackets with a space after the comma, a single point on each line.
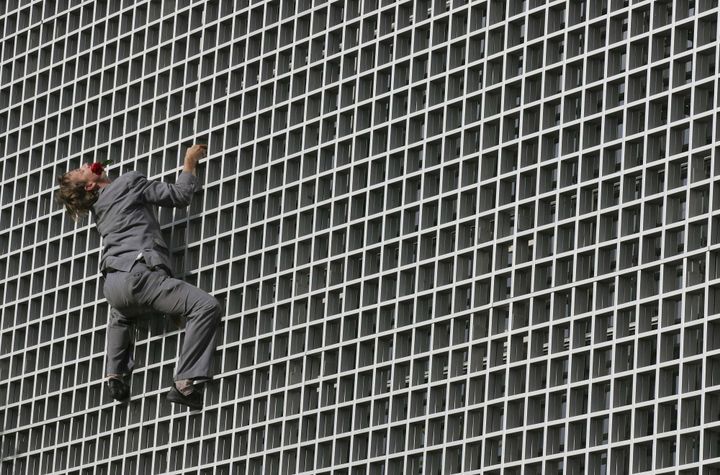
[450, 236]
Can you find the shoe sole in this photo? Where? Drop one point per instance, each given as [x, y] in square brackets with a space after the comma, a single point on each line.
[175, 399]
[125, 396]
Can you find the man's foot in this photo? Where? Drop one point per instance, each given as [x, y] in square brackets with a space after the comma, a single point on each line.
[118, 389]
[194, 400]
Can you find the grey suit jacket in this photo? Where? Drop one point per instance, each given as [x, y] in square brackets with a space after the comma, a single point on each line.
[126, 220]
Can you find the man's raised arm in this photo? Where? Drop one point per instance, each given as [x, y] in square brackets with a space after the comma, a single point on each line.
[179, 194]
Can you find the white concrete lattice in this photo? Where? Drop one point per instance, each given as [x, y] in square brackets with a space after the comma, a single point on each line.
[450, 236]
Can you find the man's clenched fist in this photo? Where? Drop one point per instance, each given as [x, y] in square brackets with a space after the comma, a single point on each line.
[193, 156]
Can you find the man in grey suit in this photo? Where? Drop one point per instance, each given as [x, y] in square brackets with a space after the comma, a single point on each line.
[137, 269]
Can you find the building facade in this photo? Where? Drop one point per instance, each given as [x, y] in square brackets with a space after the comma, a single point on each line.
[449, 236]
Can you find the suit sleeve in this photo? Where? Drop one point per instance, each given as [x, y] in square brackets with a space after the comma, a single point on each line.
[167, 194]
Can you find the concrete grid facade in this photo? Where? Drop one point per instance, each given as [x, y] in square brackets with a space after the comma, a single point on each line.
[449, 236]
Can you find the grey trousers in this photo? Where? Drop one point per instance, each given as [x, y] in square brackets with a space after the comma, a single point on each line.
[143, 291]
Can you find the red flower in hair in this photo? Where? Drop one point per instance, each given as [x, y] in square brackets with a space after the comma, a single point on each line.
[96, 168]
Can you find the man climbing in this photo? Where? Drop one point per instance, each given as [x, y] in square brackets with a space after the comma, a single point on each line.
[137, 270]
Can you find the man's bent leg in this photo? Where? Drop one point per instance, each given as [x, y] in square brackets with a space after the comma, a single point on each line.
[195, 362]
[202, 312]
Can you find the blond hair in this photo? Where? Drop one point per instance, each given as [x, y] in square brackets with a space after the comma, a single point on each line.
[74, 197]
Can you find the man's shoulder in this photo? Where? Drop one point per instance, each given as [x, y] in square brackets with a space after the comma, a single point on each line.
[120, 187]
[132, 176]
[128, 180]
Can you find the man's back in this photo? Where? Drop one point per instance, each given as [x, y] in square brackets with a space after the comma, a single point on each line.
[126, 220]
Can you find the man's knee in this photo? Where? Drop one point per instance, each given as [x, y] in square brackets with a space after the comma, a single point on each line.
[117, 319]
[213, 308]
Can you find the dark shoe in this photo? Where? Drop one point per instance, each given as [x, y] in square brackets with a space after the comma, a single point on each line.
[194, 400]
[118, 389]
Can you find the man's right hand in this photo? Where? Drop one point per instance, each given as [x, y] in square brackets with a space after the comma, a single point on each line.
[193, 156]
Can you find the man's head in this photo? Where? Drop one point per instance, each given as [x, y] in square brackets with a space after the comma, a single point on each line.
[79, 190]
